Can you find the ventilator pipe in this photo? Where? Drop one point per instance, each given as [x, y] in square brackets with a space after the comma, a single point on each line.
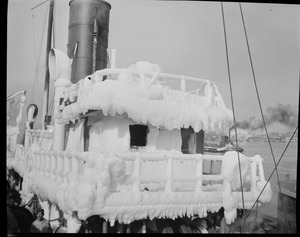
[60, 72]
[32, 111]
[59, 65]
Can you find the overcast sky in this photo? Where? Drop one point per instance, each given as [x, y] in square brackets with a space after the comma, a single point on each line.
[183, 37]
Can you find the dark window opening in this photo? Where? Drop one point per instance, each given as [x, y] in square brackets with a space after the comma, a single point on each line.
[138, 135]
[186, 135]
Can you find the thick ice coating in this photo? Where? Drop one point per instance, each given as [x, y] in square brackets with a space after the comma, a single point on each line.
[236, 168]
[145, 100]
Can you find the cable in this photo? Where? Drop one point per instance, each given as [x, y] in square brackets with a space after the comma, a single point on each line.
[51, 104]
[234, 121]
[275, 165]
[39, 4]
[259, 101]
[53, 26]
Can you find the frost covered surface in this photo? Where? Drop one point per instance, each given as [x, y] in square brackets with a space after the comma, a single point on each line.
[101, 187]
[94, 191]
[232, 182]
[133, 206]
[111, 183]
[100, 190]
[100, 175]
[144, 100]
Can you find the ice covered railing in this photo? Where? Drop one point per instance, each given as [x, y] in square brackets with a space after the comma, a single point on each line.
[19, 163]
[42, 137]
[13, 131]
[113, 185]
[142, 85]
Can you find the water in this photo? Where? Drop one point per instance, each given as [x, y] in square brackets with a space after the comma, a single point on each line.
[287, 165]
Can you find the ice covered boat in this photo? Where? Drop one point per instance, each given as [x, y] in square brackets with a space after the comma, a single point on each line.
[122, 156]
[126, 147]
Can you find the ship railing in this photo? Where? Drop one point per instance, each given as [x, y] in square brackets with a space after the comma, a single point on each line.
[42, 137]
[20, 161]
[67, 166]
[153, 75]
[12, 132]
[58, 165]
[169, 176]
[207, 89]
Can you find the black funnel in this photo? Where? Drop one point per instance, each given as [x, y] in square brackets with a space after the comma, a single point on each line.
[83, 15]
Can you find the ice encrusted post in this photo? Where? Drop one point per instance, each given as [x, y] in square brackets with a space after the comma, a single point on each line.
[60, 72]
[199, 172]
[114, 58]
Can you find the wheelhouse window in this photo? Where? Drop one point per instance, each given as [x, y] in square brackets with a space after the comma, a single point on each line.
[192, 142]
[138, 135]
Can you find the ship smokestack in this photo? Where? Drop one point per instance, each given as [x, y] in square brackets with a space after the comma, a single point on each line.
[84, 16]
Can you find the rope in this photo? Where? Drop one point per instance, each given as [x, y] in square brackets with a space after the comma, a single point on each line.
[259, 101]
[234, 120]
[275, 166]
[51, 104]
[39, 4]
[53, 26]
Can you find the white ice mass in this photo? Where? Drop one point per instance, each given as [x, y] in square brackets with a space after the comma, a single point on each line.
[110, 178]
[145, 100]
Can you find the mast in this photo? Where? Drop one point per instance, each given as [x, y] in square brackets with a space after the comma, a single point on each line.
[47, 76]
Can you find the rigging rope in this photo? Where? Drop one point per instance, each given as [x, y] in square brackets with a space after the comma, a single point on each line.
[53, 26]
[275, 169]
[259, 101]
[51, 104]
[39, 4]
[233, 111]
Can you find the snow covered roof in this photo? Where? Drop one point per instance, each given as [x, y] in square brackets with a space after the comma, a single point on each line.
[139, 92]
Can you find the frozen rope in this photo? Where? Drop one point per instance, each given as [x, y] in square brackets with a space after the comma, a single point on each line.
[259, 101]
[234, 121]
